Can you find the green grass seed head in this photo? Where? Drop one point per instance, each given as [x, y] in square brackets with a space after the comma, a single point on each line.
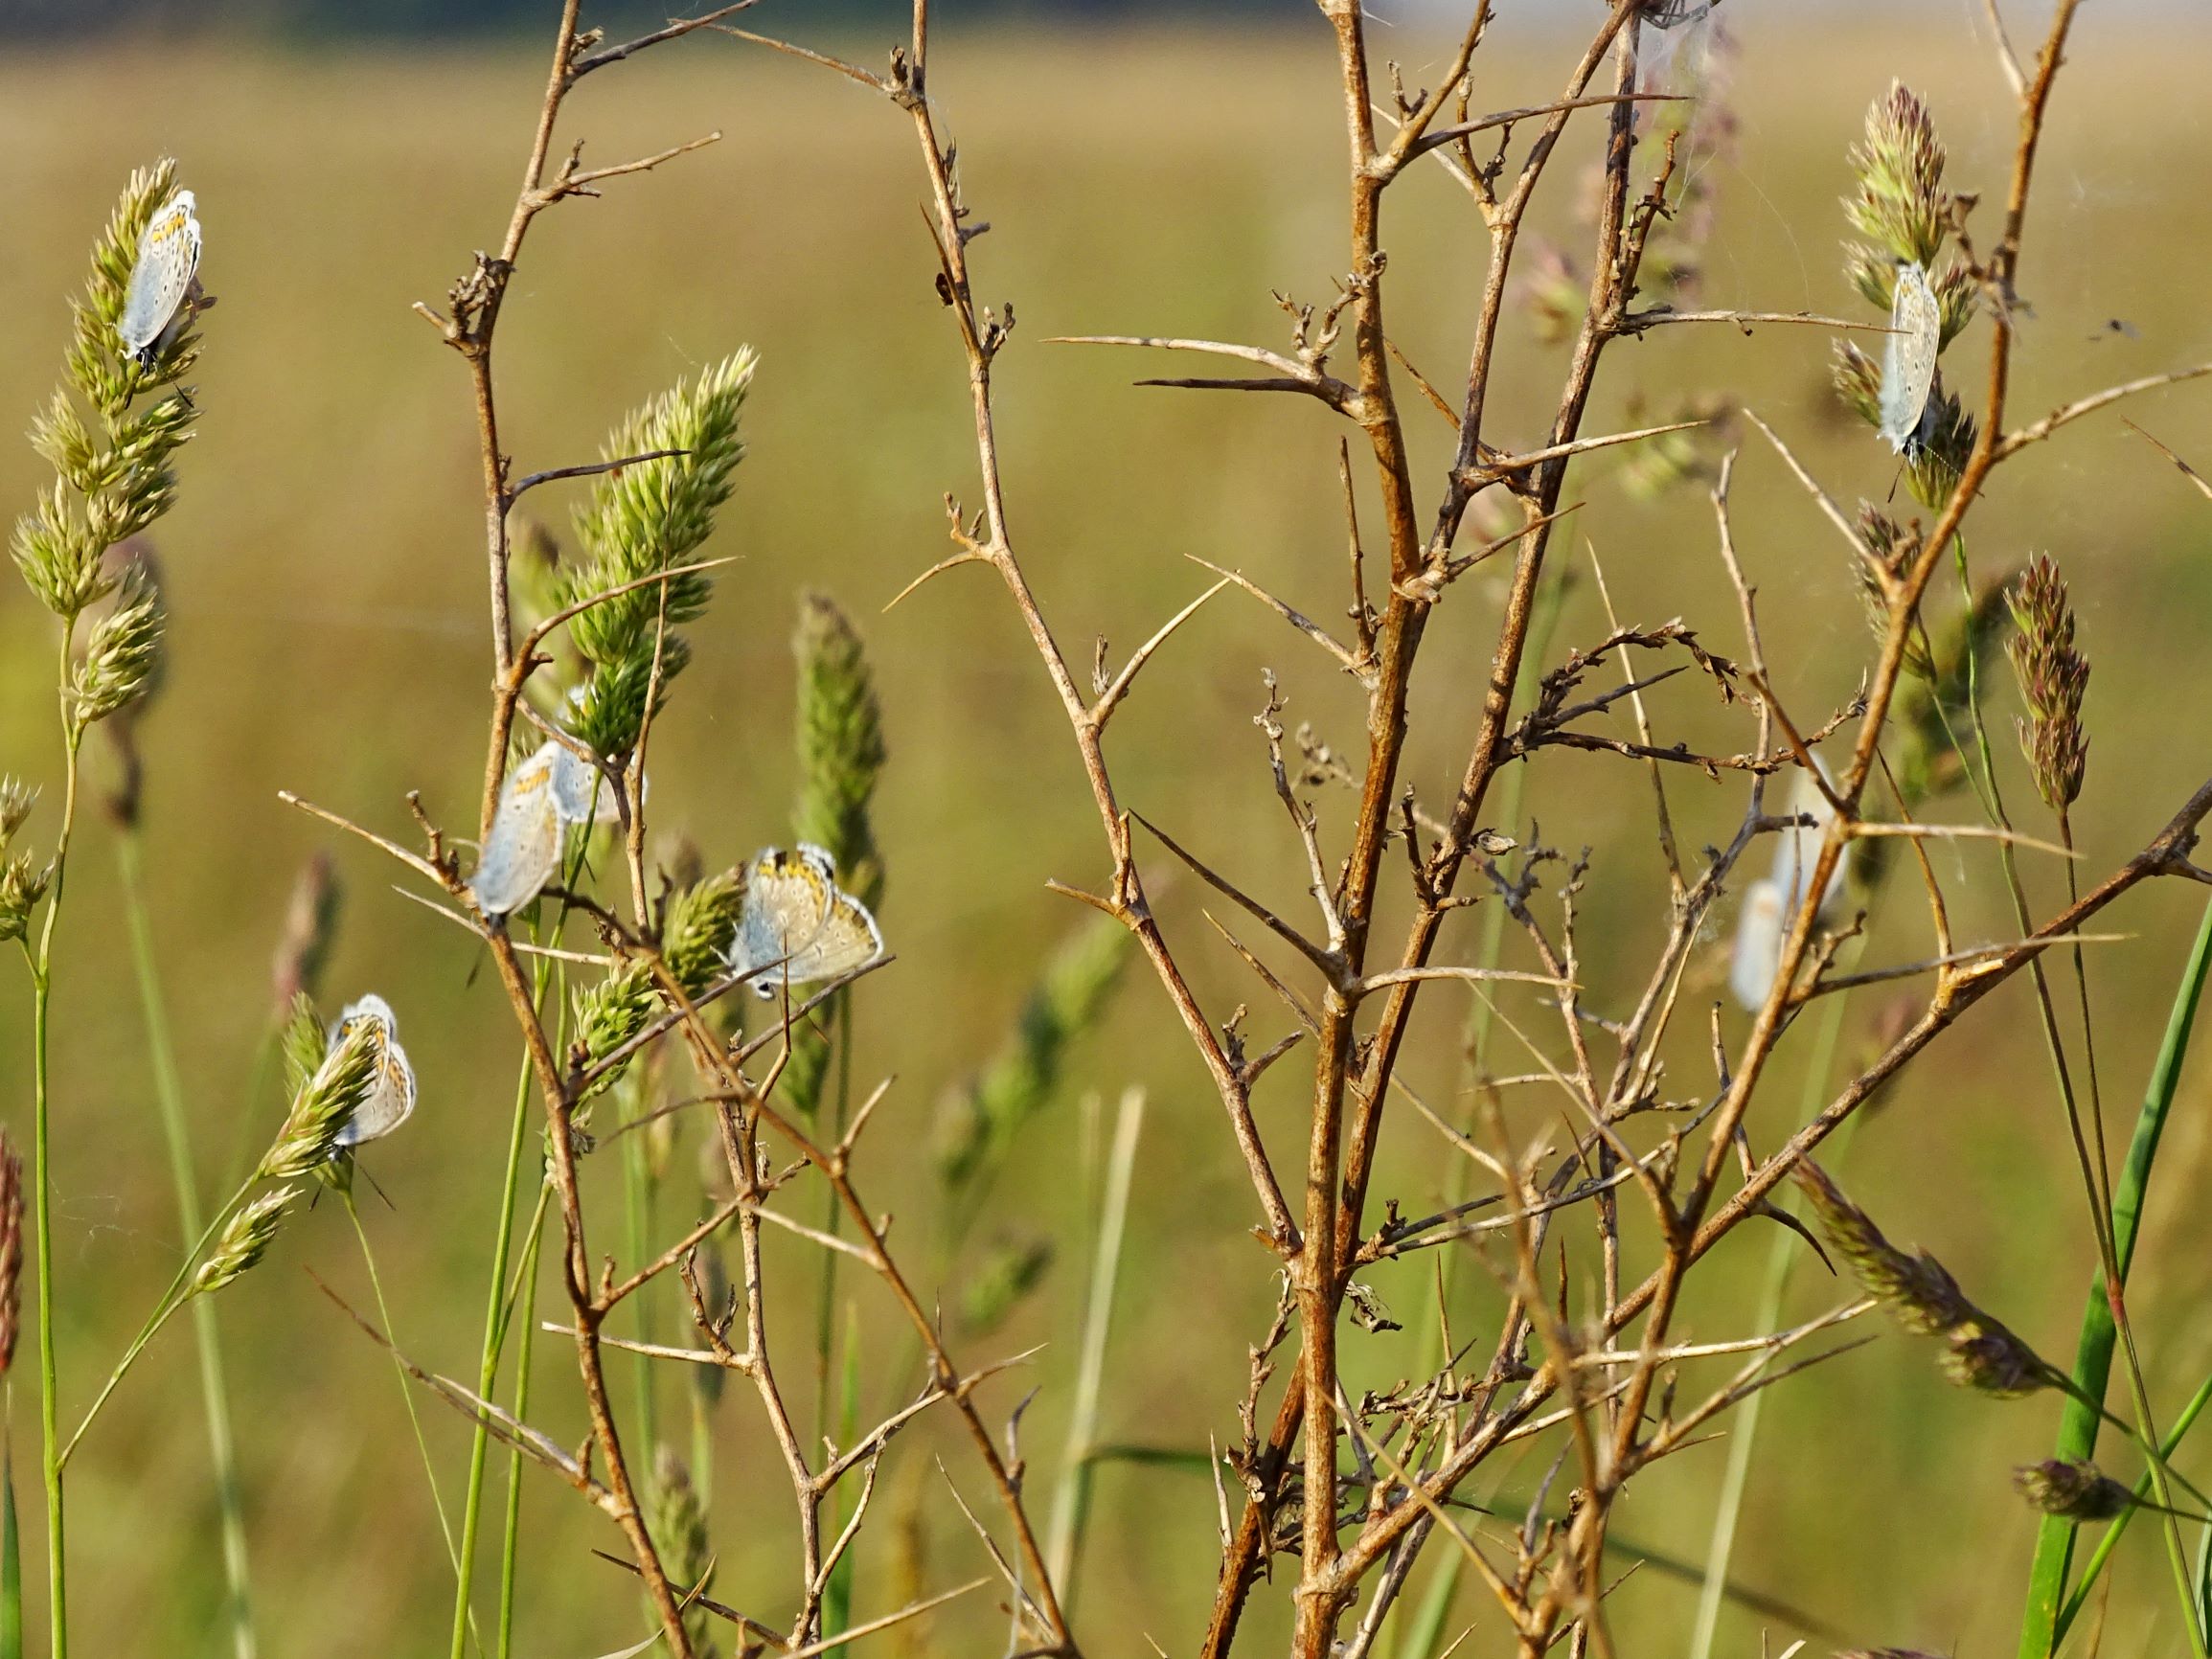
[321, 1106]
[245, 1240]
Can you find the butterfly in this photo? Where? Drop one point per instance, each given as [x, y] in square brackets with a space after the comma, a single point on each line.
[524, 847]
[391, 1096]
[1799, 848]
[163, 282]
[1909, 360]
[579, 790]
[1758, 952]
[798, 925]
[553, 791]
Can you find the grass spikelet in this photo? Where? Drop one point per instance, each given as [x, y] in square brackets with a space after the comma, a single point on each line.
[311, 929]
[245, 1240]
[841, 749]
[113, 479]
[996, 1284]
[1979, 1352]
[642, 520]
[11, 1250]
[321, 1107]
[609, 1013]
[1901, 203]
[1916, 1289]
[122, 657]
[2054, 677]
[695, 934]
[2074, 1489]
[678, 1523]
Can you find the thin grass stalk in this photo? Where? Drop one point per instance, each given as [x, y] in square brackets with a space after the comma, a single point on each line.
[2095, 1568]
[511, 1537]
[488, 1364]
[832, 1223]
[407, 1388]
[1743, 1427]
[172, 1297]
[2040, 1625]
[1071, 1504]
[495, 1299]
[837, 1593]
[637, 1192]
[215, 1394]
[42, 1185]
[2145, 1430]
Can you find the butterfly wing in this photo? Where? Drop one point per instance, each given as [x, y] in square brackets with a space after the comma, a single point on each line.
[798, 925]
[1796, 850]
[848, 939]
[1908, 361]
[161, 278]
[390, 1100]
[575, 783]
[1758, 953]
[524, 847]
[788, 898]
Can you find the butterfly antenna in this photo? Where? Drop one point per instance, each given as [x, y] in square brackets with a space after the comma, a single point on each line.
[379, 1188]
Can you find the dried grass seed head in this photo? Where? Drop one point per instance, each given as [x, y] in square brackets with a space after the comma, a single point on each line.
[311, 929]
[1939, 452]
[16, 800]
[23, 883]
[2075, 1490]
[1901, 203]
[1984, 1354]
[1916, 1289]
[2054, 680]
[122, 661]
[11, 1250]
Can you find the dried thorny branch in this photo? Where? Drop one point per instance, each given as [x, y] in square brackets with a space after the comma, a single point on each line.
[1342, 356]
[1588, 1180]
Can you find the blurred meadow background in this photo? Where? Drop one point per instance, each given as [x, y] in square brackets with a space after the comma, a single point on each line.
[326, 578]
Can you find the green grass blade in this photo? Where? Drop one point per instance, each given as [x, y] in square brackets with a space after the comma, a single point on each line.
[1424, 1637]
[1071, 1504]
[2041, 1628]
[2079, 1595]
[215, 1392]
[837, 1593]
[510, 1535]
[1782, 1253]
